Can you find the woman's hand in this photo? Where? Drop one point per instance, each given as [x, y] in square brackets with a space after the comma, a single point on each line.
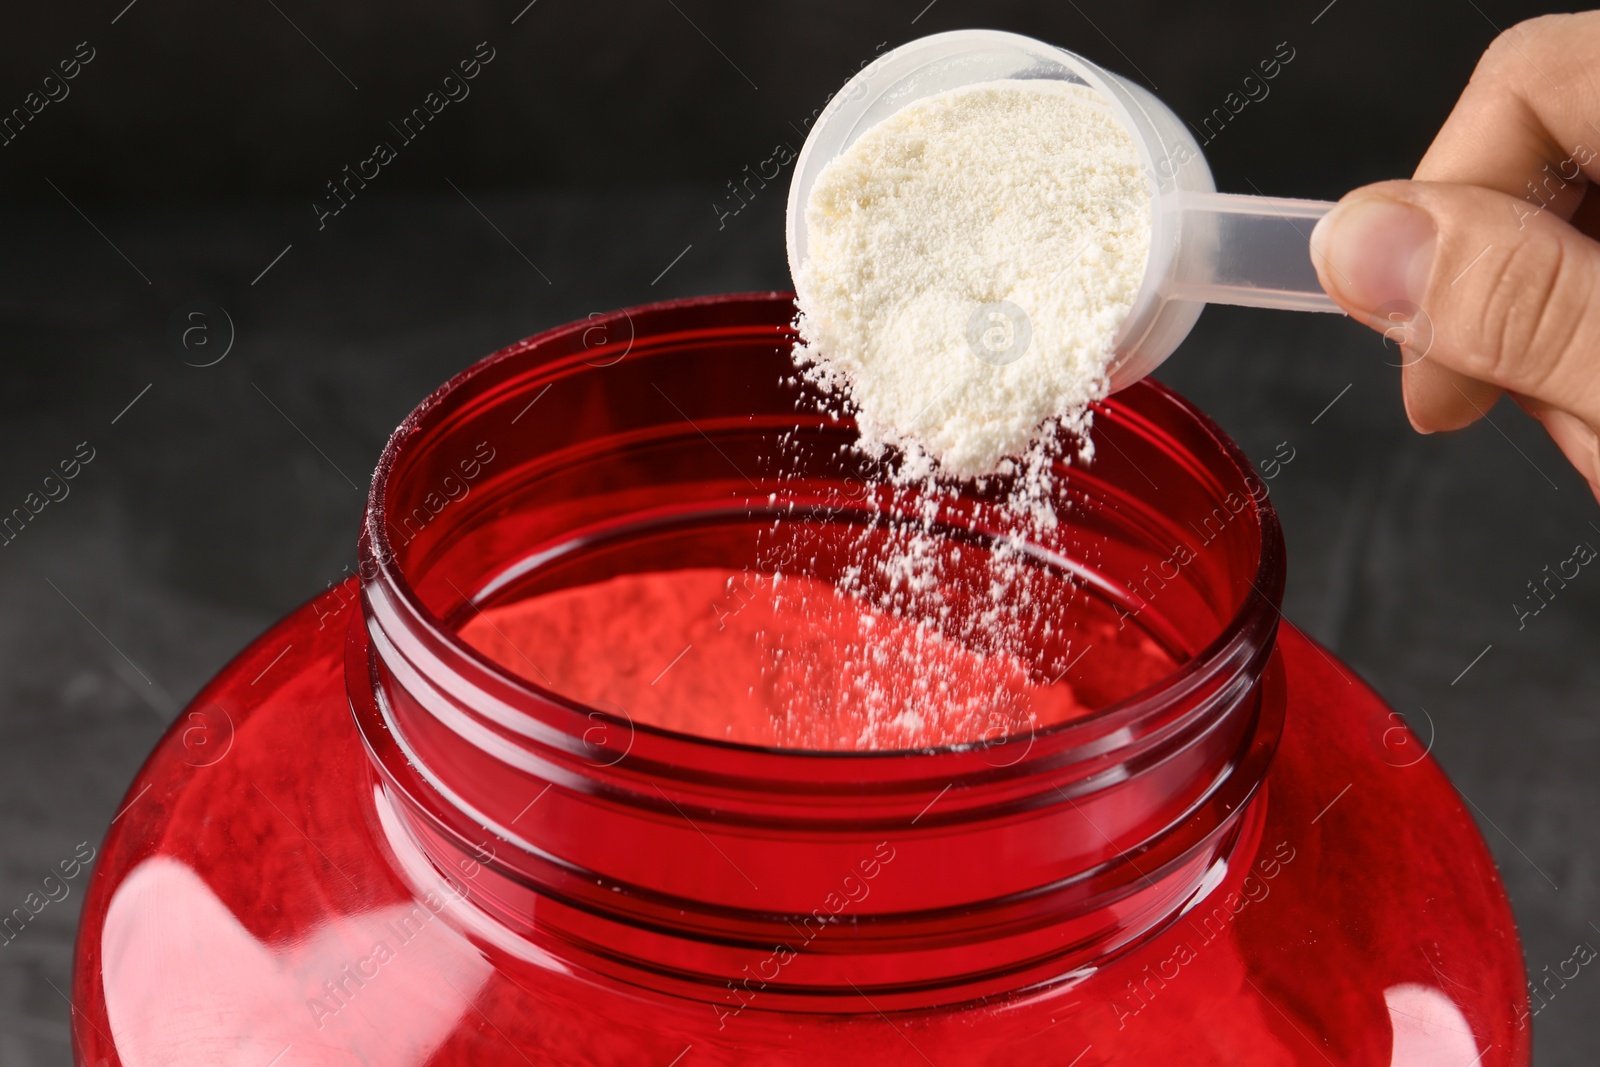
[1486, 267]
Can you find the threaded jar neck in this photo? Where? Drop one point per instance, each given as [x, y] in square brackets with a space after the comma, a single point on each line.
[756, 877]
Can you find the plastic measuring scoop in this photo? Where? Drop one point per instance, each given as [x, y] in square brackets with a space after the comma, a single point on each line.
[1206, 247]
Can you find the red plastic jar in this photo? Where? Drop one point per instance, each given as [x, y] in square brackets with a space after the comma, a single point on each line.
[1247, 861]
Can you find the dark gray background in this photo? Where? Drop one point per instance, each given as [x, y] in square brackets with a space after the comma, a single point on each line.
[597, 142]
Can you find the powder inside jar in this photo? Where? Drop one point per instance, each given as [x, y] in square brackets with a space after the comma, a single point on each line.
[798, 663]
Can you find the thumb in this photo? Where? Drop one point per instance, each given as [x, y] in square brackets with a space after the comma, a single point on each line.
[1483, 286]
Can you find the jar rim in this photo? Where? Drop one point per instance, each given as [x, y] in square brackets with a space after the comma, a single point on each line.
[1254, 620]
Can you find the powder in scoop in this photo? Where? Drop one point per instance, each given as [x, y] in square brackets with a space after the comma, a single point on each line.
[970, 260]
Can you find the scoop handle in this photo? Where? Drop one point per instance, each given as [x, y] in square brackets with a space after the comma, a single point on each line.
[1253, 251]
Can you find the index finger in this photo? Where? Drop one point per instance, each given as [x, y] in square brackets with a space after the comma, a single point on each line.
[1525, 125]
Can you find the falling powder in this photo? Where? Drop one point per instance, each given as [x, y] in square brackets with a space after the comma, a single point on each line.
[970, 261]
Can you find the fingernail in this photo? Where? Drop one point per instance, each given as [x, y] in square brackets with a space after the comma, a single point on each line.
[1407, 385]
[1376, 251]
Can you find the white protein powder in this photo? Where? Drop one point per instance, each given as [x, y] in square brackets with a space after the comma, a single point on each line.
[970, 260]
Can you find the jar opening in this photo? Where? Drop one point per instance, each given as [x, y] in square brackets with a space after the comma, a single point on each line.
[724, 565]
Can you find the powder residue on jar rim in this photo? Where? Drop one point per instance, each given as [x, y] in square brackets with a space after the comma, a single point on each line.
[971, 259]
